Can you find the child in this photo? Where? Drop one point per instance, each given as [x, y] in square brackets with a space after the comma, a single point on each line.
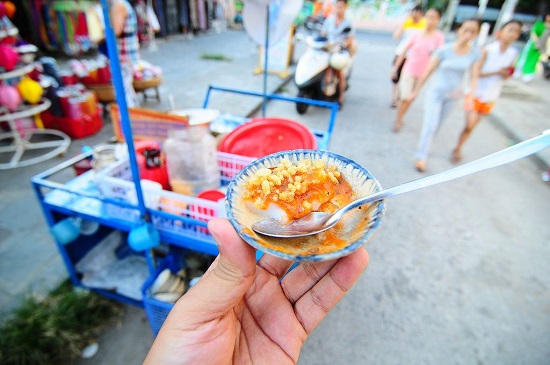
[448, 64]
[418, 51]
[495, 66]
[415, 23]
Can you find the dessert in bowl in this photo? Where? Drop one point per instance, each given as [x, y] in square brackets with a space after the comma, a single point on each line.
[287, 186]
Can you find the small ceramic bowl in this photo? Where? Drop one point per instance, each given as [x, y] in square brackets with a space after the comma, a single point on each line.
[357, 226]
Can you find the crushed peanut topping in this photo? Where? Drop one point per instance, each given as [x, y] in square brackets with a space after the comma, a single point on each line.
[298, 188]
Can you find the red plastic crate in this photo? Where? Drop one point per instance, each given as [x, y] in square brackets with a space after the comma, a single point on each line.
[74, 128]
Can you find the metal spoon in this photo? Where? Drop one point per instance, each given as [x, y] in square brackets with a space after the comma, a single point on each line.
[316, 222]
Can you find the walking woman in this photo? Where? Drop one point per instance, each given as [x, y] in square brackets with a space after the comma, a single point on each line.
[448, 65]
[417, 51]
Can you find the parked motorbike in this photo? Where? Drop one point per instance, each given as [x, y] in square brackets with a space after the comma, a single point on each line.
[316, 70]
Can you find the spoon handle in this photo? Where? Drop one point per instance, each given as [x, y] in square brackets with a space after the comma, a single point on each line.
[505, 156]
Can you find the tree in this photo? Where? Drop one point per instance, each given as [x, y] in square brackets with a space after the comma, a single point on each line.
[538, 7]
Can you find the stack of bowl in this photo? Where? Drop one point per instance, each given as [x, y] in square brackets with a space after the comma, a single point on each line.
[169, 287]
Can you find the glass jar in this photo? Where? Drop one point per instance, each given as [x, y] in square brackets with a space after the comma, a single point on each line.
[191, 160]
[103, 156]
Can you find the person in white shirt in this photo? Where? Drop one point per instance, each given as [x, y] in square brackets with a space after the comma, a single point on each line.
[335, 28]
[495, 65]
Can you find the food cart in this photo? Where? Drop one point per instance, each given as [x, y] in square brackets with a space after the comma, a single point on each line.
[108, 224]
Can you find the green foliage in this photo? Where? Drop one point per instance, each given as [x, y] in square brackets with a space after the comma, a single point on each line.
[215, 57]
[55, 330]
[438, 4]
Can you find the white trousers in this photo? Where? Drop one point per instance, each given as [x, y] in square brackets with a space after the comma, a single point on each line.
[436, 109]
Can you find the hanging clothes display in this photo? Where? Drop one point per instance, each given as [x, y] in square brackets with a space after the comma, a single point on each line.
[202, 14]
[193, 14]
[185, 22]
[152, 18]
[69, 26]
[172, 21]
[142, 19]
[229, 12]
[158, 6]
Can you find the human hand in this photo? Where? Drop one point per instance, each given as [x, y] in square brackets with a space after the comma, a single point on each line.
[394, 74]
[241, 311]
[506, 72]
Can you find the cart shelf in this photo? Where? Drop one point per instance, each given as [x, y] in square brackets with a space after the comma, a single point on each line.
[81, 197]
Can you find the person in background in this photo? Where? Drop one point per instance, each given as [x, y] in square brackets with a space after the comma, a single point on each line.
[418, 50]
[247, 312]
[125, 27]
[496, 65]
[333, 29]
[531, 53]
[448, 65]
[327, 8]
[543, 46]
[414, 23]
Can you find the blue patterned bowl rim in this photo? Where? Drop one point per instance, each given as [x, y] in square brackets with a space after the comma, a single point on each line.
[380, 208]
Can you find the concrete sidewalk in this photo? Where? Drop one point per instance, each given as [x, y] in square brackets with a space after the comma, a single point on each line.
[522, 112]
[29, 262]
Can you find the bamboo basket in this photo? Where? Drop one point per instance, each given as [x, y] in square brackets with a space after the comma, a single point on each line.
[105, 93]
[141, 85]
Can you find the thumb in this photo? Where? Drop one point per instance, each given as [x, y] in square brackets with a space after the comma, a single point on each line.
[227, 280]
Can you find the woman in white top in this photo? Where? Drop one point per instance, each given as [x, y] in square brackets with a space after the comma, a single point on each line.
[333, 29]
[496, 65]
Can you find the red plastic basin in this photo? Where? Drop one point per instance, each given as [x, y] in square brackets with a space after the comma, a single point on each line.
[263, 136]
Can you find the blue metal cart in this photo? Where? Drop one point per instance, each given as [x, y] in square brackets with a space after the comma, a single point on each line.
[80, 197]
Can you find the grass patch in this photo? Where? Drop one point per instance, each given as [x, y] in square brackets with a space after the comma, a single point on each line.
[55, 330]
[216, 57]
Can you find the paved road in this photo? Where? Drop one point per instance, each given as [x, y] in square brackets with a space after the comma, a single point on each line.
[458, 273]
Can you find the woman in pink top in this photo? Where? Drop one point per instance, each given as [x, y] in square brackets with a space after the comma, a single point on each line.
[418, 51]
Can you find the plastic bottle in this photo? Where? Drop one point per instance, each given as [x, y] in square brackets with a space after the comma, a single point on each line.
[191, 160]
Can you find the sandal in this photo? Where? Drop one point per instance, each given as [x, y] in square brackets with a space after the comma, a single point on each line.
[456, 157]
[397, 127]
[420, 165]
